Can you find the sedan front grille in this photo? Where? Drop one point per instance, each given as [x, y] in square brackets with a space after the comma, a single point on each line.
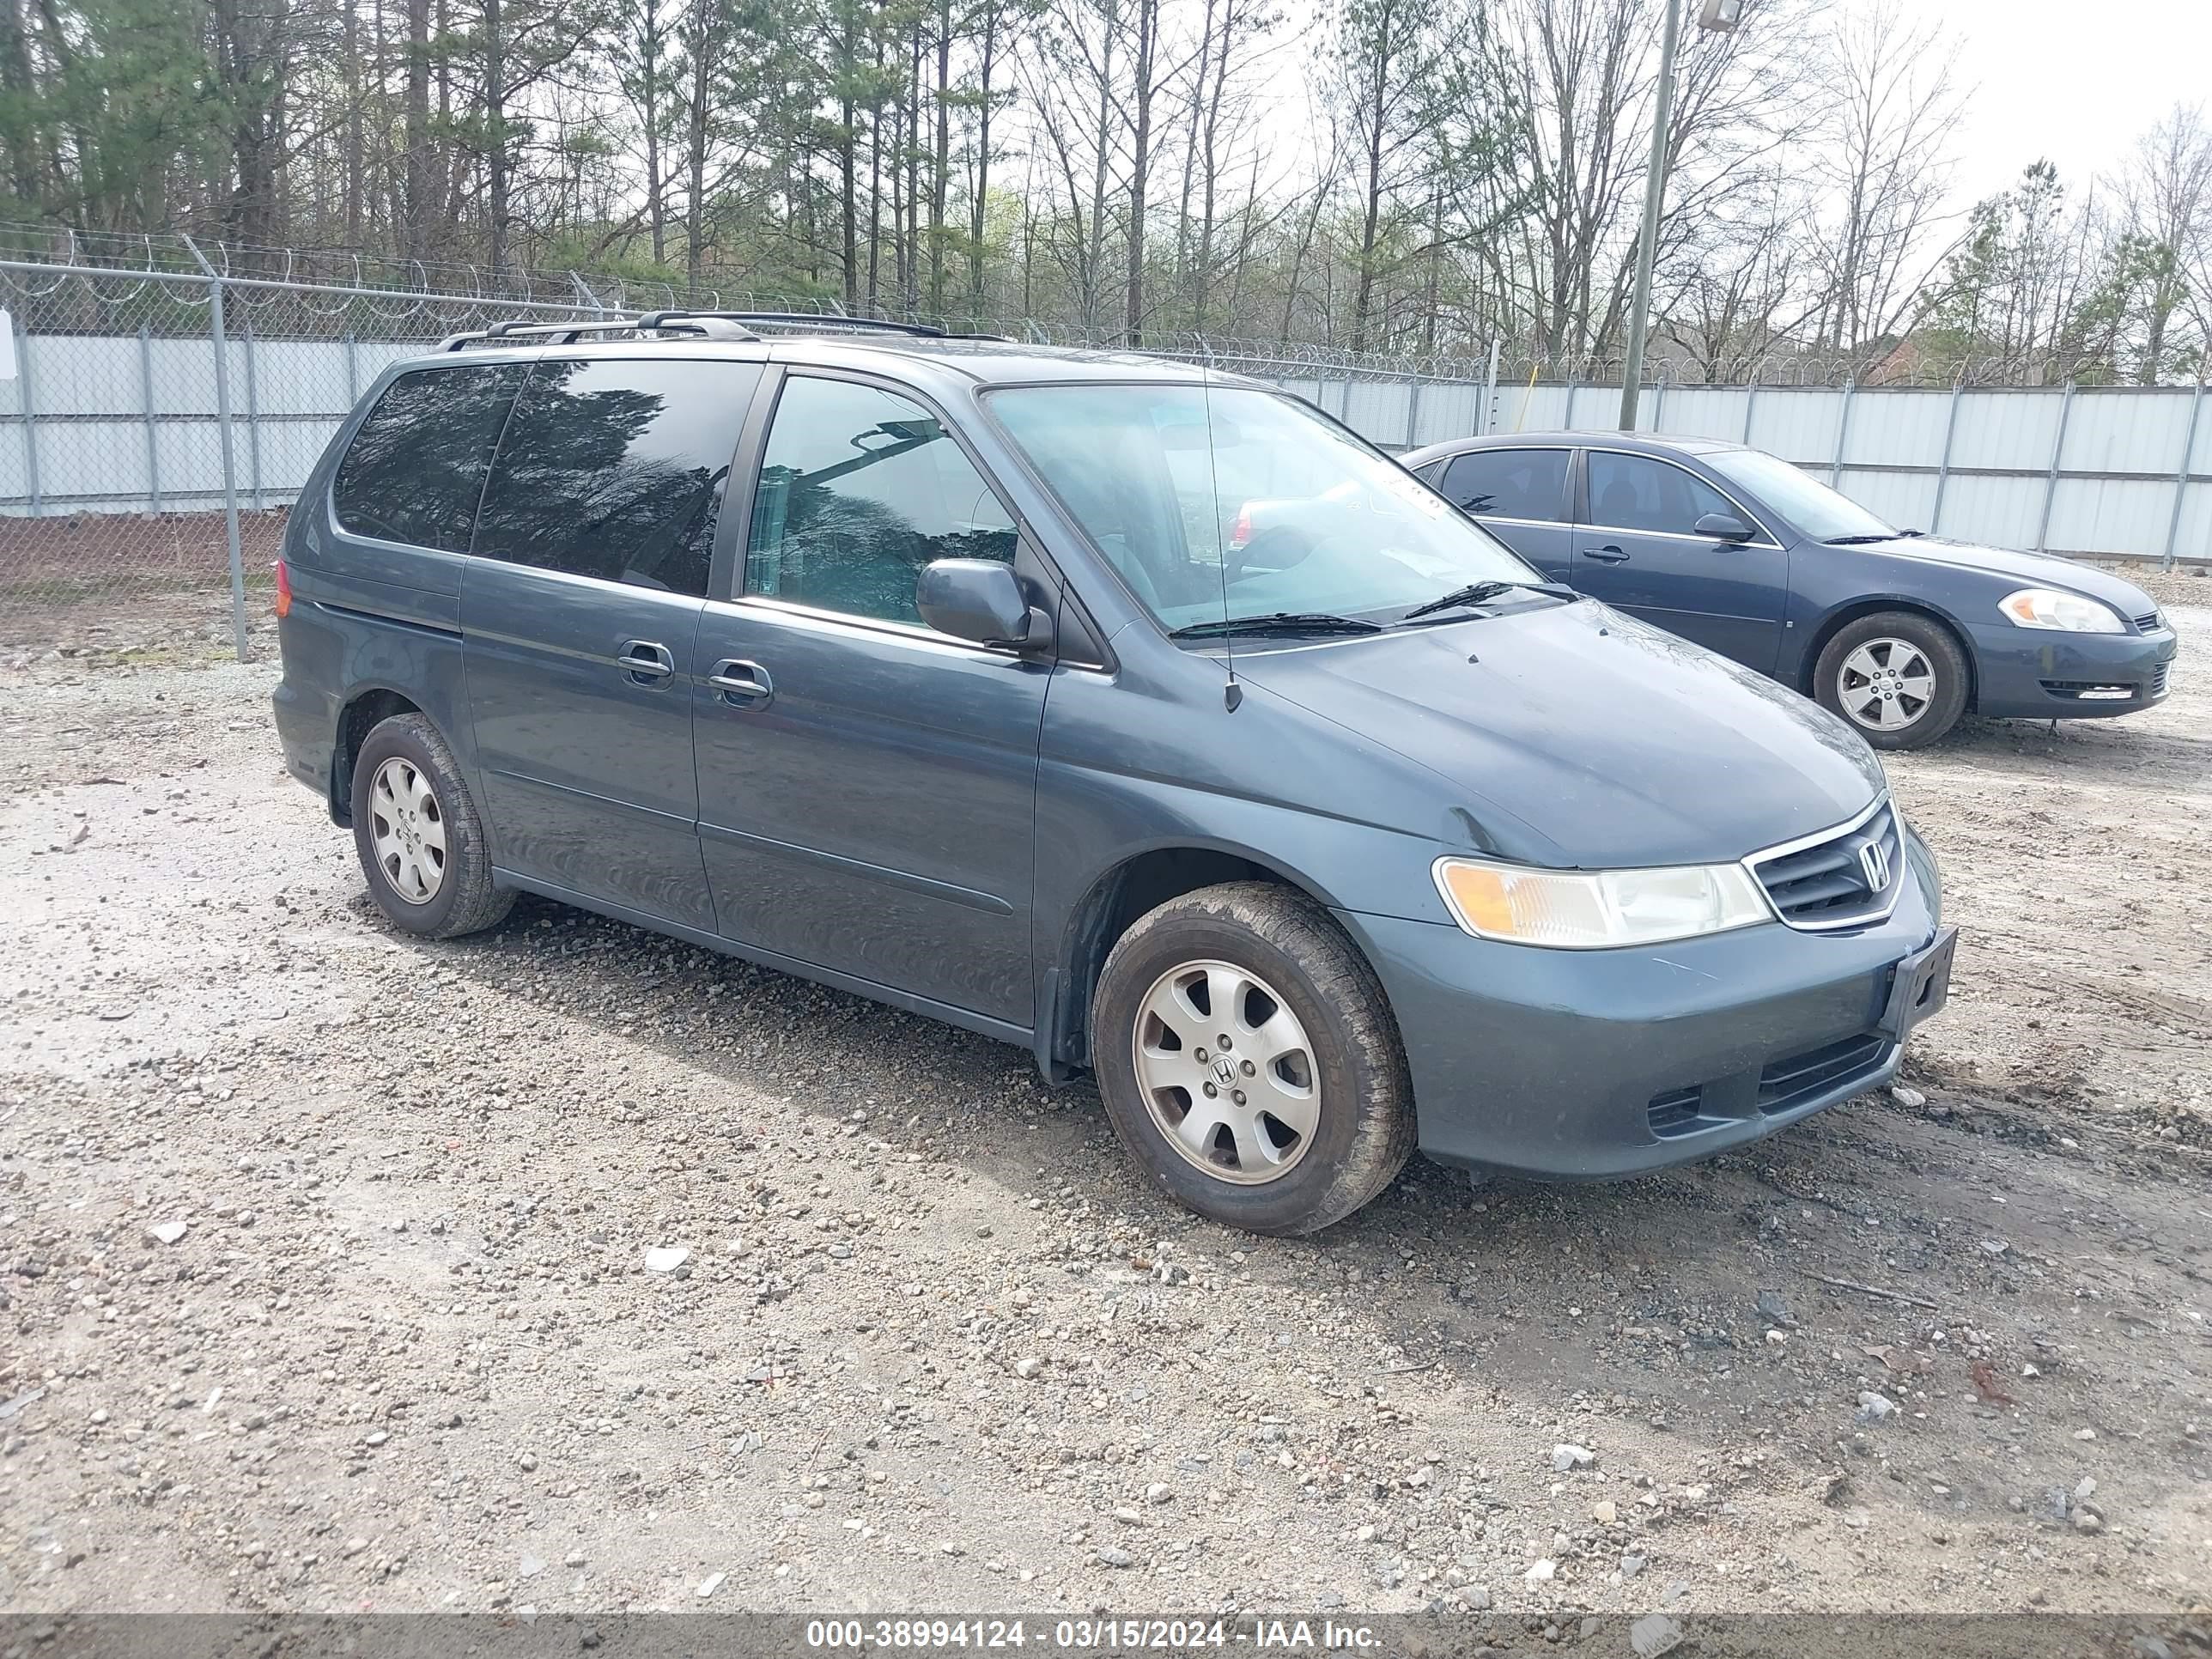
[1846, 878]
[2149, 623]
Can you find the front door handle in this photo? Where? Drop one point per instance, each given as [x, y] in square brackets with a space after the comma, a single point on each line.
[1606, 555]
[644, 661]
[740, 683]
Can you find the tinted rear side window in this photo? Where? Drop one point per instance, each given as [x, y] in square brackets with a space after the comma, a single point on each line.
[1509, 483]
[614, 468]
[415, 467]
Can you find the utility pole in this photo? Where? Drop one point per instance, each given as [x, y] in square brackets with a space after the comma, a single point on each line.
[1720, 16]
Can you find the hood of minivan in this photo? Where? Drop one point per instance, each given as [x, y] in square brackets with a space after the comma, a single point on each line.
[1574, 736]
[2021, 569]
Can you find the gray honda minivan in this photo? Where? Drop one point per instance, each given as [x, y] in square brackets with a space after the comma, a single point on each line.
[1137, 714]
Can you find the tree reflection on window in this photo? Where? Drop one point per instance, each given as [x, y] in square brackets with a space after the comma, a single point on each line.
[416, 465]
[859, 490]
[614, 468]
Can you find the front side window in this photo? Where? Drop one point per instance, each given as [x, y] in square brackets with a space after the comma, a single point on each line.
[1227, 502]
[1633, 492]
[415, 466]
[859, 490]
[614, 468]
[1509, 483]
[1817, 511]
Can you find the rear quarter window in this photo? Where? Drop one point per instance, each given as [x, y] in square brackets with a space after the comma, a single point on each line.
[415, 466]
[1509, 483]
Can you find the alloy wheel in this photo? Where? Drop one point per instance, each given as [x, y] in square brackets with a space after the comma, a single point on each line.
[1227, 1072]
[1885, 684]
[408, 831]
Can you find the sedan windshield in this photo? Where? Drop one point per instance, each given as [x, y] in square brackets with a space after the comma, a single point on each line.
[1816, 511]
[1218, 504]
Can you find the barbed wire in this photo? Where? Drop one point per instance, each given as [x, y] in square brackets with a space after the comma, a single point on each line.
[65, 278]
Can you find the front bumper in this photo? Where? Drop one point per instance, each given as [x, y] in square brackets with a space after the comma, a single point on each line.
[1591, 1064]
[2036, 674]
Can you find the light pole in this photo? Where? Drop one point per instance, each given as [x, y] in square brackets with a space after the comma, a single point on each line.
[1720, 16]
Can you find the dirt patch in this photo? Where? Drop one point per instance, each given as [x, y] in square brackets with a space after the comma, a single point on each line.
[935, 1345]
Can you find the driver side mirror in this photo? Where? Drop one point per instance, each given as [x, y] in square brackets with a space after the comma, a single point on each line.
[981, 601]
[1723, 527]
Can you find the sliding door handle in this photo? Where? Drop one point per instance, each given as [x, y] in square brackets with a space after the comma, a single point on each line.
[644, 661]
[740, 683]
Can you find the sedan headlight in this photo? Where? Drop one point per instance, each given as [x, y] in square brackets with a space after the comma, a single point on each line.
[2070, 613]
[1594, 910]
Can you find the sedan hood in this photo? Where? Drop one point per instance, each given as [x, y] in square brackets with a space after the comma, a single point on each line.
[2037, 570]
[1573, 736]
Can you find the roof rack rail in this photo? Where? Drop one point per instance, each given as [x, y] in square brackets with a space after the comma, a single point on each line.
[828, 322]
[708, 326]
[804, 320]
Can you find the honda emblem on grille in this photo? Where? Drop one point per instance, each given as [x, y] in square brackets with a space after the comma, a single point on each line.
[1874, 863]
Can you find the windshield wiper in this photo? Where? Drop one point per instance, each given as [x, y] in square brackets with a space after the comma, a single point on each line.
[1480, 593]
[1275, 622]
[1860, 541]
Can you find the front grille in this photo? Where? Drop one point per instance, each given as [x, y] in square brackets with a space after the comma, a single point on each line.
[1831, 882]
[2149, 623]
[1783, 1083]
[2157, 686]
[1676, 1112]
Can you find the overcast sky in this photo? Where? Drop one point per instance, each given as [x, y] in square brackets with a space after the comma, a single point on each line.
[2073, 80]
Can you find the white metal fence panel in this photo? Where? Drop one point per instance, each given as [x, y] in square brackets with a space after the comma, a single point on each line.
[1896, 428]
[1705, 411]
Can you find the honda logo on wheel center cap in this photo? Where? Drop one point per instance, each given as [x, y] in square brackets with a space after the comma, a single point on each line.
[1224, 1069]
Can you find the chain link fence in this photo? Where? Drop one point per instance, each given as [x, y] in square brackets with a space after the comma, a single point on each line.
[161, 422]
[162, 419]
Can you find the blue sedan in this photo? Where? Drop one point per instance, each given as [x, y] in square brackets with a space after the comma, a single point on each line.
[1897, 632]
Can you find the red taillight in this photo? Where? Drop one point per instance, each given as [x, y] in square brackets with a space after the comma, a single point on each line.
[1242, 532]
[283, 590]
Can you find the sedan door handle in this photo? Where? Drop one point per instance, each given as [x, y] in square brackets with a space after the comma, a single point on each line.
[644, 661]
[1606, 555]
[740, 683]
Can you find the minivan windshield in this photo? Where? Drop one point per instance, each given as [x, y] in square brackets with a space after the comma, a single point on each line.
[1220, 504]
[1816, 511]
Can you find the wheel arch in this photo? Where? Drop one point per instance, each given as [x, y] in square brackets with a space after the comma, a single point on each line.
[365, 708]
[1873, 604]
[1125, 890]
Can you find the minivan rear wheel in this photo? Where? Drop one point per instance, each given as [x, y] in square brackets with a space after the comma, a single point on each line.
[1249, 1060]
[419, 837]
[1900, 678]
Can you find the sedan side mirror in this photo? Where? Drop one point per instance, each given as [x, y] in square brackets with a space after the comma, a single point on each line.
[1723, 527]
[979, 600]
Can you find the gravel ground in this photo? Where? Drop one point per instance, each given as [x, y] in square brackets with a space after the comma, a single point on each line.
[324, 1257]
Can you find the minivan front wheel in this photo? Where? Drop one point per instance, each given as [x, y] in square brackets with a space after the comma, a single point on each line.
[420, 840]
[1249, 1060]
[1898, 678]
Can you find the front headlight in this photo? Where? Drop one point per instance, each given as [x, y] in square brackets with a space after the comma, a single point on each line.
[1594, 910]
[2070, 613]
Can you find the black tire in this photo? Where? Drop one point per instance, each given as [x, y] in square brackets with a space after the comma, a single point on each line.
[464, 900]
[1946, 658]
[1364, 1132]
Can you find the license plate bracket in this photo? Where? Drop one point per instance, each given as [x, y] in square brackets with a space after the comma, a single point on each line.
[1920, 986]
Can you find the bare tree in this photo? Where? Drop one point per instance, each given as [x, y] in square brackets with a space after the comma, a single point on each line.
[1881, 157]
[2166, 204]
